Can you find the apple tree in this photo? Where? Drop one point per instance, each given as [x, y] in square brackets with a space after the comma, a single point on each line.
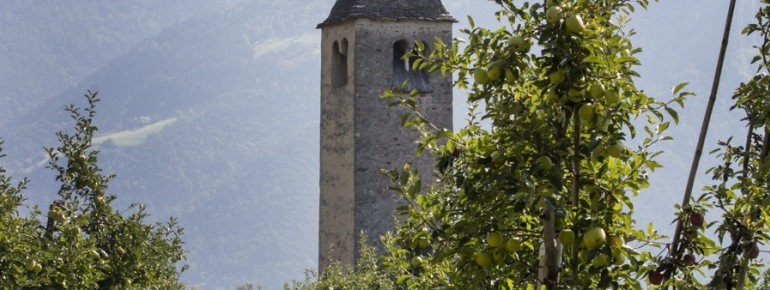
[739, 193]
[80, 241]
[543, 194]
[368, 274]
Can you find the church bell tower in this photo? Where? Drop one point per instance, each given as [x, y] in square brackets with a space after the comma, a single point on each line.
[362, 45]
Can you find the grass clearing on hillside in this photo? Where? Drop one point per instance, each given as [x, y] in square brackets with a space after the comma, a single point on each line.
[134, 137]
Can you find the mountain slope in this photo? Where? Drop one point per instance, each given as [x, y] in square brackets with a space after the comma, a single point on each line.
[238, 165]
[48, 47]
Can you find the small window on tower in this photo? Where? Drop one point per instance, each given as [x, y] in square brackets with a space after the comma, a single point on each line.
[403, 69]
[340, 63]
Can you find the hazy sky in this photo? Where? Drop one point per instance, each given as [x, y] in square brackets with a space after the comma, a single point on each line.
[681, 41]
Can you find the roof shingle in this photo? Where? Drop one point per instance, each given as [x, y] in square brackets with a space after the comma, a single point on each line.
[430, 10]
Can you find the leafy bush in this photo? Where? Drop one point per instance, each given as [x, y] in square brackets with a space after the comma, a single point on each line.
[368, 274]
[80, 241]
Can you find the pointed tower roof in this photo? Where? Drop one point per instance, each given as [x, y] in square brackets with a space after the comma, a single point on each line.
[430, 10]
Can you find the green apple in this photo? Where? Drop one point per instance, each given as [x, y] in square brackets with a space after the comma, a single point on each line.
[567, 237]
[575, 24]
[553, 15]
[512, 245]
[601, 121]
[416, 261]
[597, 91]
[616, 149]
[619, 257]
[545, 163]
[557, 77]
[612, 98]
[30, 265]
[518, 43]
[594, 238]
[586, 113]
[483, 259]
[37, 267]
[494, 70]
[600, 260]
[617, 242]
[497, 157]
[481, 76]
[599, 153]
[495, 239]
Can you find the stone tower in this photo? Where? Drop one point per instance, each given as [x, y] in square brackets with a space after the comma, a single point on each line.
[361, 48]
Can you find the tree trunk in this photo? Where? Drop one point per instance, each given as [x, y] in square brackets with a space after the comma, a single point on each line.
[548, 272]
